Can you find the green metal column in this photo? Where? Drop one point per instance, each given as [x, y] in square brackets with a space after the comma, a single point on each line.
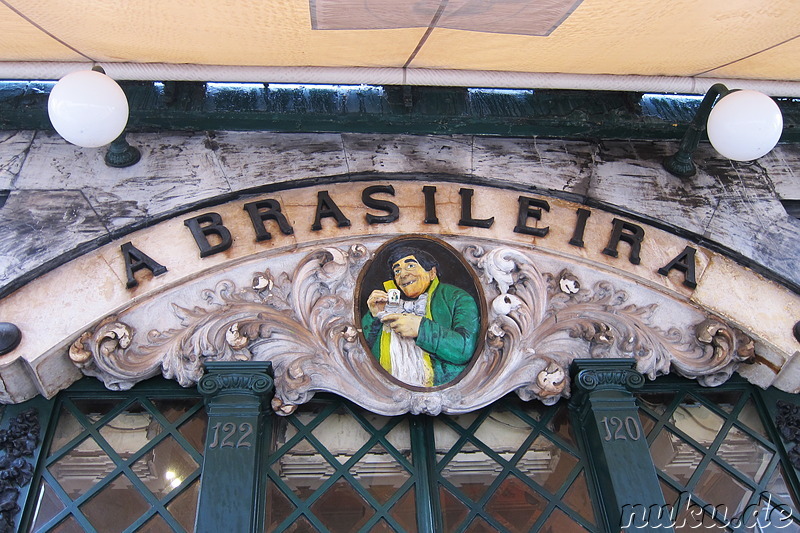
[617, 449]
[231, 495]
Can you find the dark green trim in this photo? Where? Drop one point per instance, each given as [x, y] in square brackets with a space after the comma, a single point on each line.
[575, 114]
[237, 398]
[617, 449]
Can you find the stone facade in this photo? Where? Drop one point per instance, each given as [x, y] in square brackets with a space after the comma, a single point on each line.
[65, 208]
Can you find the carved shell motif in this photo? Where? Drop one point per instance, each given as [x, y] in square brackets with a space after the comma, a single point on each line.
[302, 323]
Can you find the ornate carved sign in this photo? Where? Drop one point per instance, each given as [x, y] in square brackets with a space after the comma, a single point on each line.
[508, 326]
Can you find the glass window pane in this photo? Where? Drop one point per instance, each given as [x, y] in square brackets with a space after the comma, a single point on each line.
[380, 473]
[67, 429]
[341, 434]
[115, 506]
[454, 511]
[750, 418]
[155, 525]
[674, 456]
[745, 454]
[174, 408]
[547, 463]
[558, 522]
[404, 512]
[577, 497]
[560, 424]
[719, 488]
[657, 402]
[95, 409]
[131, 430]
[49, 505]
[697, 421]
[83, 467]
[341, 508]
[194, 430]
[503, 432]
[303, 469]
[184, 507]
[70, 525]
[515, 505]
[278, 506]
[164, 467]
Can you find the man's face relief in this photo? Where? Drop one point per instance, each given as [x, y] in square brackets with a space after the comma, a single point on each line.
[410, 277]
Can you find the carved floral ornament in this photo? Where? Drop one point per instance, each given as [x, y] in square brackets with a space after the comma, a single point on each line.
[534, 324]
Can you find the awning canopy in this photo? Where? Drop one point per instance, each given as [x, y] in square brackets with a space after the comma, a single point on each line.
[558, 43]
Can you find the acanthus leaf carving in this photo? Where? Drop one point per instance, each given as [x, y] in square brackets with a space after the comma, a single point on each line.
[303, 322]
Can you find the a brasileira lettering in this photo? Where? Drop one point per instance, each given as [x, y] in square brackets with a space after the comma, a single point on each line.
[213, 237]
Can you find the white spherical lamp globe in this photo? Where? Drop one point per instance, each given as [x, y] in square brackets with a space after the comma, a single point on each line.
[88, 108]
[744, 125]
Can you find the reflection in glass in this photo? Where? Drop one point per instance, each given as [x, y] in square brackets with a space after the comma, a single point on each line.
[115, 506]
[81, 468]
[130, 430]
[48, 506]
[577, 497]
[380, 473]
[547, 463]
[67, 429]
[721, 489]
[558, 522]
[278, 507]
[453, 510]
[697, 421]
[70, 525]
[724, 399]
[656, 401]
[184, 506]
[341, 435]
[164, 467]
[303, 469]
[749, 417]
[560, 424]
[515, 505]
[405, 511]
[674, 456]
[94, 409]
[745, 454]
[155, 525]
[778, 488]
[341, 508]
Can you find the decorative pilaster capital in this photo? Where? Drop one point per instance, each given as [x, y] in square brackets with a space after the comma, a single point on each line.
[251, 378]
[602, 375]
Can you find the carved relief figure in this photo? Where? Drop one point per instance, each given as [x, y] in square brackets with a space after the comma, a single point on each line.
[423, 331]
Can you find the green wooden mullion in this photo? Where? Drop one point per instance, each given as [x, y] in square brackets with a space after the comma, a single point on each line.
[429, 514]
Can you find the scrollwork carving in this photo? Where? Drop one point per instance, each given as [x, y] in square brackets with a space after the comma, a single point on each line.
[302, 322]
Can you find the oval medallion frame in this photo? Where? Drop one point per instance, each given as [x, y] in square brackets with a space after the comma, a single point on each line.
[452, 269]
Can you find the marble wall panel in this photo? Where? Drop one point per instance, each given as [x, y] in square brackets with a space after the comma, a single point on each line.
[14, 148]
[423, 154]
[554, 165]
[44, 226]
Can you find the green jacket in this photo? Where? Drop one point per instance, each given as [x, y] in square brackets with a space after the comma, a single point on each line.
[450, 337]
